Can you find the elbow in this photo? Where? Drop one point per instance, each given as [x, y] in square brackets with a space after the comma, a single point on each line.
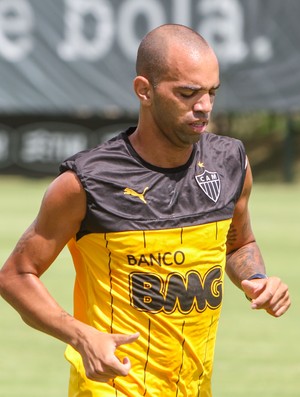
[2, 283]
[7, 278]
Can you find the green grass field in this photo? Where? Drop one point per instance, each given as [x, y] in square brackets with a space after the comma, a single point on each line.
[256, 355]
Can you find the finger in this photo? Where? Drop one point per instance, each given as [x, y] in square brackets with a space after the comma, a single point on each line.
[110, 370]
[278, 308]
[273, 298]
[126, 366]
[118, 368]
[263, 301]
[279, 312]
[99, 378]
[252, 288]
[100, 375]
[120, 339]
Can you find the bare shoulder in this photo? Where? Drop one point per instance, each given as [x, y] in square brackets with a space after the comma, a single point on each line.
[64, 202]
[242, 203]
[66, 194]
[59, 218]
[66, 185]
[240, 232]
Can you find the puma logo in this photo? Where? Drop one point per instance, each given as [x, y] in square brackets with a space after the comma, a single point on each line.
[133, 193]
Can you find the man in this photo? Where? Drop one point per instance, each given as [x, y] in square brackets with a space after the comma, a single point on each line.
[149, 218]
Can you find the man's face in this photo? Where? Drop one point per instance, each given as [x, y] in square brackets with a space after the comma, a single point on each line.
[183, 100]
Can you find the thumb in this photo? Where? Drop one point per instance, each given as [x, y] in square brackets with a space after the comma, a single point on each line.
[124, 339]
[252, 288]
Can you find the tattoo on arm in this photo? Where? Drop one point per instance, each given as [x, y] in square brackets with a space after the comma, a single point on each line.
[232, 235]
[27, 235]
[242, 233]
[244, 262]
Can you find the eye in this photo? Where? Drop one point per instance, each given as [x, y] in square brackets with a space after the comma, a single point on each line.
[187, 93]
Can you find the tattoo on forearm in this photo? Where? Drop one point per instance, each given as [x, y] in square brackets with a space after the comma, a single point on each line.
[244, 262]
[65, 315]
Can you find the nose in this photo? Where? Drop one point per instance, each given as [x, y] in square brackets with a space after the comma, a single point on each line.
[204, 103]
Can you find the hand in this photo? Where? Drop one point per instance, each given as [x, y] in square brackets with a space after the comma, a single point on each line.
[270, 294]
[98, 354]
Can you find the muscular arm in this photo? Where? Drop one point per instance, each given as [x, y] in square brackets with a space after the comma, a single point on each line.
[62, 210]
[244, 259]
[243, 255]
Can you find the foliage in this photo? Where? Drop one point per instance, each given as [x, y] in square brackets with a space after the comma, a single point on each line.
[272, 142]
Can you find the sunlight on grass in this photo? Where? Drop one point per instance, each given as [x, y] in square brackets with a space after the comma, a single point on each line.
[256, 355]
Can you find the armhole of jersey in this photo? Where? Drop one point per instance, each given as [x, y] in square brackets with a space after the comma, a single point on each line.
[243, 177]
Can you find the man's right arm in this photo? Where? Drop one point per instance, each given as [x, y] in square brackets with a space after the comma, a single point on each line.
[61, 213]
[59, 218]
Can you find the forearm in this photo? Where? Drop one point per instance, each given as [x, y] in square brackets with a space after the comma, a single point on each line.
[244, 262]
[28, 295]
[38, 309]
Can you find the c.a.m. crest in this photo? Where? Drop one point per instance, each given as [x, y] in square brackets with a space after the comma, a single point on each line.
[210, 184]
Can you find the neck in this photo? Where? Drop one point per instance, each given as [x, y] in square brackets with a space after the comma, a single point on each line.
[158, 152]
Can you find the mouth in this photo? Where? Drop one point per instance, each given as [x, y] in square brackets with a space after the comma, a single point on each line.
[199, 126]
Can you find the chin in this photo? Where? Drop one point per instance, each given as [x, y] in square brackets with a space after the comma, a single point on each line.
[191, 139]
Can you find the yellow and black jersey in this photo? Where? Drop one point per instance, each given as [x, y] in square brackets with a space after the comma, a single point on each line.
[150, 257]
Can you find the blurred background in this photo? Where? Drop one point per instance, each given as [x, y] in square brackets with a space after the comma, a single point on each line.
[66, 71]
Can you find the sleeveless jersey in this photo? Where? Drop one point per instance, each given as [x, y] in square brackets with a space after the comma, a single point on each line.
[150, 257]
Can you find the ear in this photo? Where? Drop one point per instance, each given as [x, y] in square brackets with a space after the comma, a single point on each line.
[142, 88]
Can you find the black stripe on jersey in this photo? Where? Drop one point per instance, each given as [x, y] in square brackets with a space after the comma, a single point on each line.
[199, 388]
[146, 363]
[213, 320]
[182, 351]
[115, 387]
[111, 301]
[110, 285]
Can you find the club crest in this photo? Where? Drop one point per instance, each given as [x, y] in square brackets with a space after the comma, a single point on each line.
[210, 184]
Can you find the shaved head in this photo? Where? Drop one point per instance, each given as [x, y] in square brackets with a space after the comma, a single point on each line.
[153, 58]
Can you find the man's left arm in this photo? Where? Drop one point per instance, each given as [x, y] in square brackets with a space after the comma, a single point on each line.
[245, 266]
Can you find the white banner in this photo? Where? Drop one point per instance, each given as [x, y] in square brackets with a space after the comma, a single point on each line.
[66, 56]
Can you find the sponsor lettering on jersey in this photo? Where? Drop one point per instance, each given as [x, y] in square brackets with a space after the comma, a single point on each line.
[165, 258]
[210, 184]
[150, 293]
